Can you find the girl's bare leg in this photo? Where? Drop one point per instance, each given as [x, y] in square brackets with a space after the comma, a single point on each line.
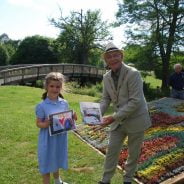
[46, 178]
[56, 174]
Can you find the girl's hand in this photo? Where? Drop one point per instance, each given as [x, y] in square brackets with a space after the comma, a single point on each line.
[47, 123]
[42, 124]
[75, 116]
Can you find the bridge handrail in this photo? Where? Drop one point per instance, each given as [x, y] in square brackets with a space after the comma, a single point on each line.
[42, 65]
[5, 67]
[40, 70]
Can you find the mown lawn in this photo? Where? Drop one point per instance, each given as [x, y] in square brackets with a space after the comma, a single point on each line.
[18, 143]
[153, 81]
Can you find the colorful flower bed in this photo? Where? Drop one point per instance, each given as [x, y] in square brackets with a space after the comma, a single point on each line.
[162, 154]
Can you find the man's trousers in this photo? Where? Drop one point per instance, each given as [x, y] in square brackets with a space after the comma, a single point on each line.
[116, 140]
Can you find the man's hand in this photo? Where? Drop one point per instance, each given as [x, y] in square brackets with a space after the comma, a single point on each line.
[107, 120]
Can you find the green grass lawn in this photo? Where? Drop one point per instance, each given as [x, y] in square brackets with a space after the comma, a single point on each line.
[153, 81]
[18, 143]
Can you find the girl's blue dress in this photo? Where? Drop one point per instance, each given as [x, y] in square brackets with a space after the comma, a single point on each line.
[52, 150]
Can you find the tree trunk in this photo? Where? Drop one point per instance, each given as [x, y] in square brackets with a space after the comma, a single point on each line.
[84, 56]
[165, 74]
[166, 53]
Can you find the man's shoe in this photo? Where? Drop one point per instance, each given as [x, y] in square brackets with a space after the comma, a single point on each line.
[100, 182]
[127, 183]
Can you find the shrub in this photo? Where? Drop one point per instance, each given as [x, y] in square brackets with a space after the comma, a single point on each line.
[153, 93]
[39, 84]
[90, 90]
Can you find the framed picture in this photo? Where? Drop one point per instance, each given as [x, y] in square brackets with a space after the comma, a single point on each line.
[61, 122]
[91, 113]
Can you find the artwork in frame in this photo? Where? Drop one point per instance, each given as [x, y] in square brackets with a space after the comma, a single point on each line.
[91, 113]
[61, 122]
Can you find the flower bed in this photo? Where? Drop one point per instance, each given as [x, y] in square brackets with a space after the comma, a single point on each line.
[162, 153]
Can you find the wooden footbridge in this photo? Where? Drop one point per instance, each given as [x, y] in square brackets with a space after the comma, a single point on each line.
[23, 74]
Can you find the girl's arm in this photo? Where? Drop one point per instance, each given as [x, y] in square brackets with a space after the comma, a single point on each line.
[75, 116]
[42, 124]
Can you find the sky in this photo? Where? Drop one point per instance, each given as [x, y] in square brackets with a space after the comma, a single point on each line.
[22, 18]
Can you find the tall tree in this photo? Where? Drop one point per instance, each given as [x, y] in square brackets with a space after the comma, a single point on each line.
[80, 33]
[159, 21]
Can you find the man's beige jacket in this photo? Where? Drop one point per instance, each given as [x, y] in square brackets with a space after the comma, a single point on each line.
[129, 104]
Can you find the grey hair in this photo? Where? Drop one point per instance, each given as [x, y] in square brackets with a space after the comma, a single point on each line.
[176, 65]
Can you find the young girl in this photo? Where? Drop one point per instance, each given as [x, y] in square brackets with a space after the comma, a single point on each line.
[52, 150]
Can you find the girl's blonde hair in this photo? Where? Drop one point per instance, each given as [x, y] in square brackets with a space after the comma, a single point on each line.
[56, 76]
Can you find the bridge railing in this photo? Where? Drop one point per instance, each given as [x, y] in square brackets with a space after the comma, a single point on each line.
[39, 71]
[5, 67]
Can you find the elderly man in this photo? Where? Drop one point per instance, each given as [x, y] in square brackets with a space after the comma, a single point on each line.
[123, 87]
[176, 81]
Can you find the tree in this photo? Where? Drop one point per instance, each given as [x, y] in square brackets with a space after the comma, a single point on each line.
[9, 47]
[3, 55]
[80, 34]
[158, 21]
[142, 57]
[4, 38]
[35, 50]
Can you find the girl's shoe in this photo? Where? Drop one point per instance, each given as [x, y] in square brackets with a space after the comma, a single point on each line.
[60, 182]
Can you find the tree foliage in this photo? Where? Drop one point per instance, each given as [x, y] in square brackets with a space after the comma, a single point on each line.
[80, 34]
[35, 50]
[142, 57]
[3, 55]
[4, 38]
[160, 22]
[8, 47]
